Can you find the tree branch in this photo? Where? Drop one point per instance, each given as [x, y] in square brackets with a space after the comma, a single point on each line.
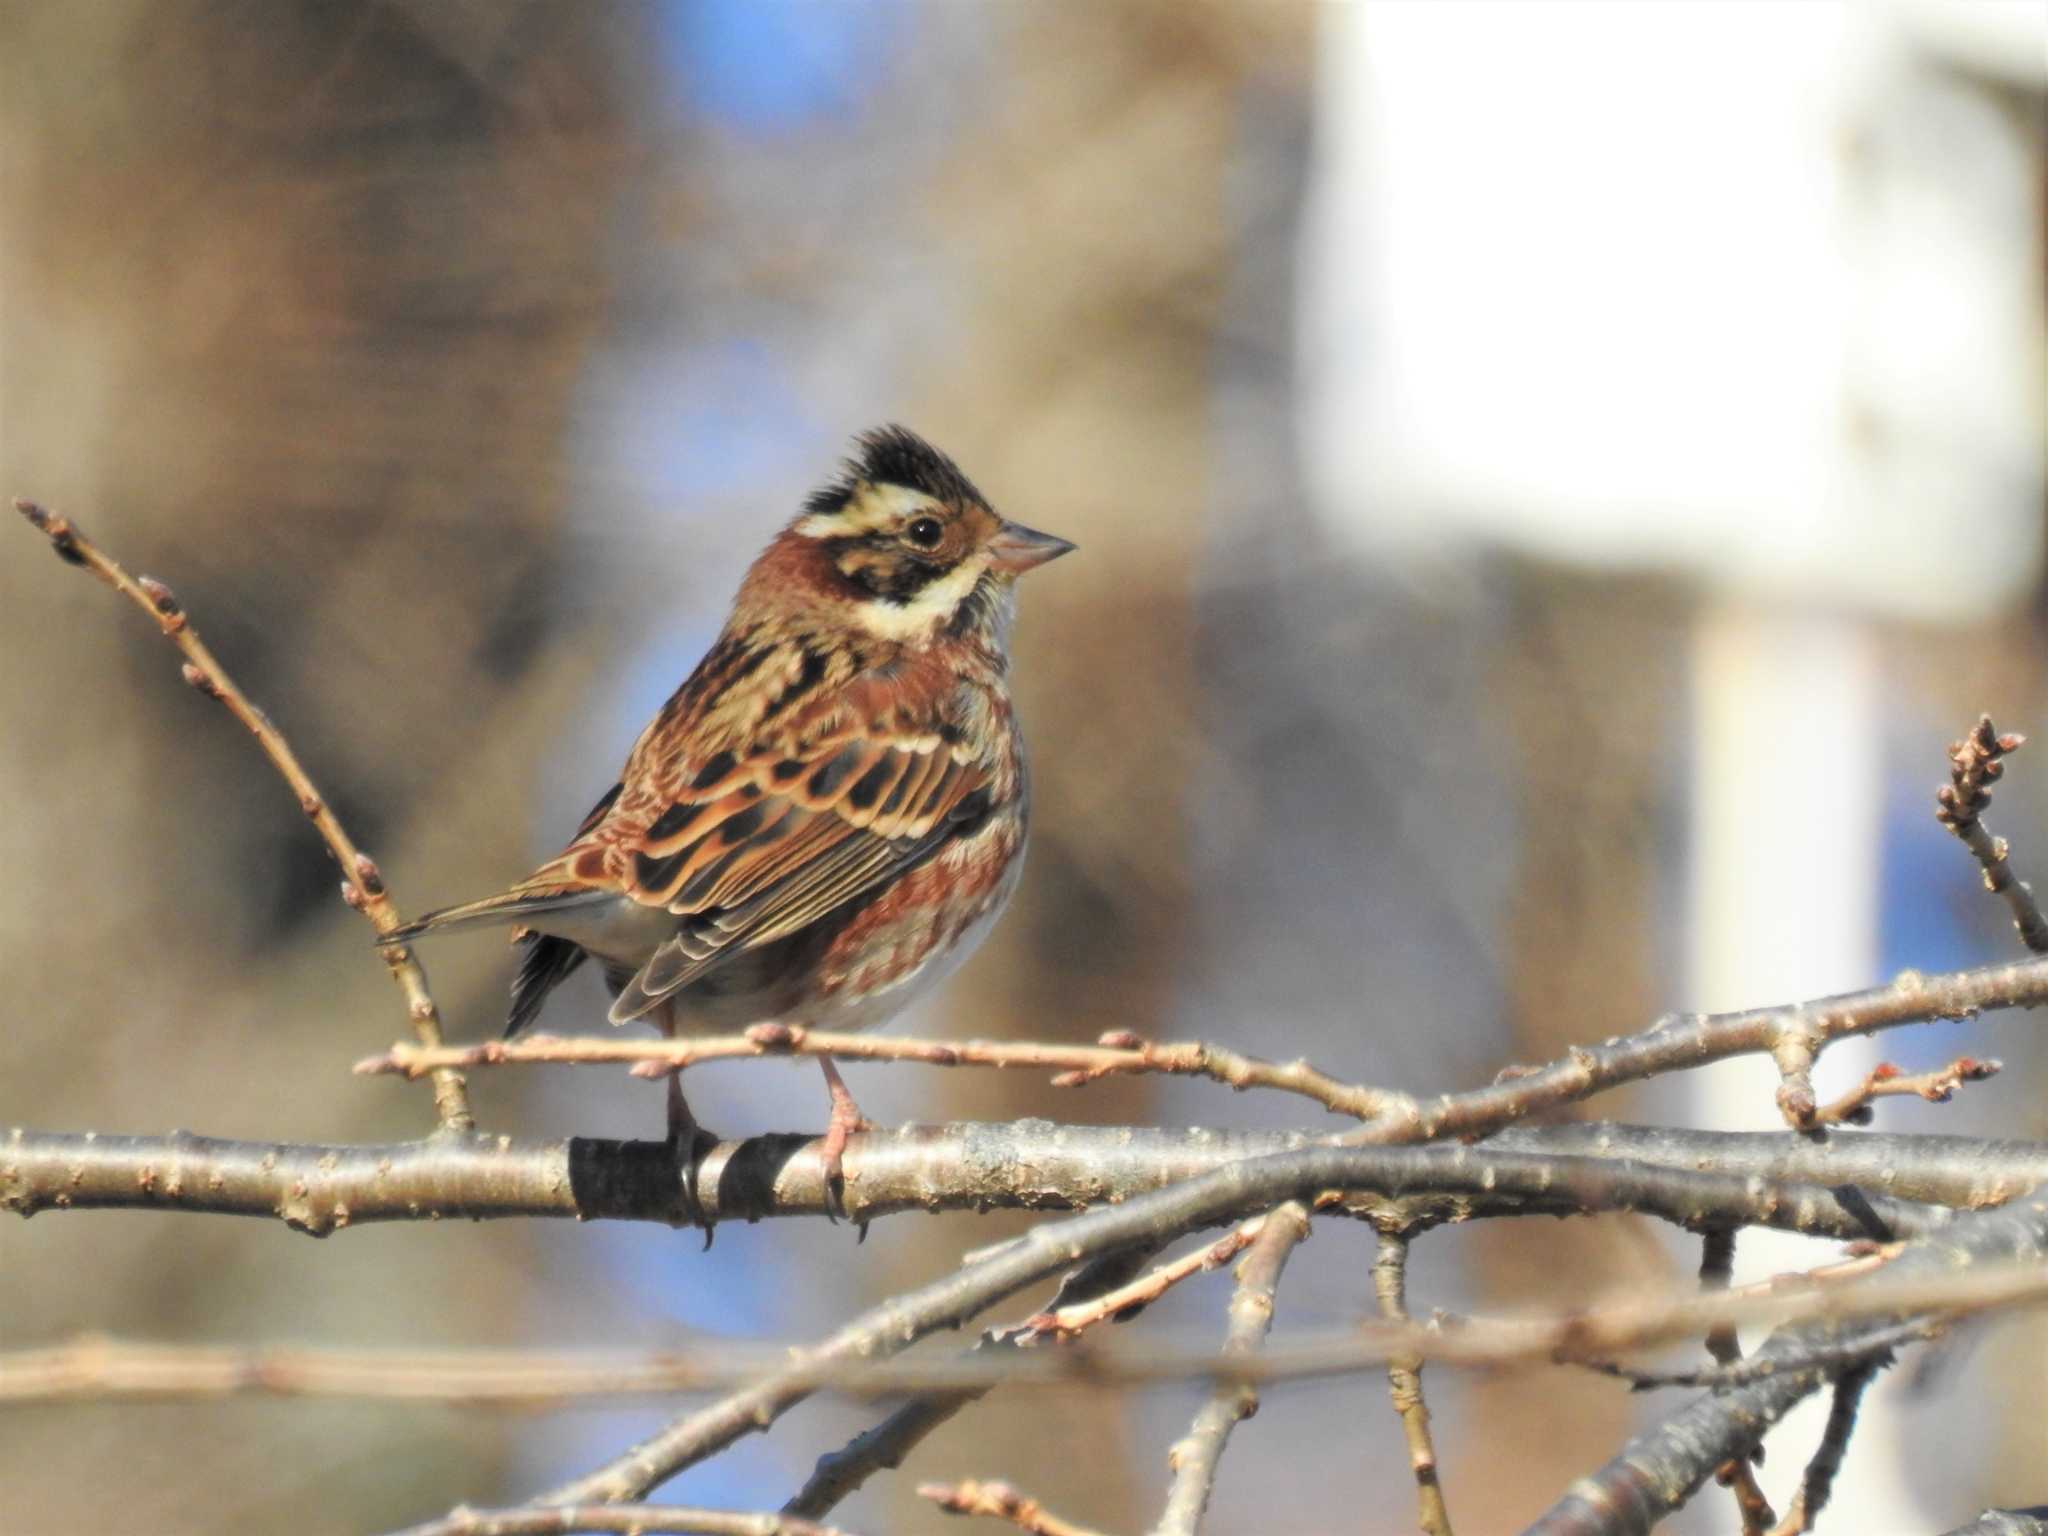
[1660, 1469]
[1794, 1034]
[362, 885]
[1817, 1484]
[1197, 1456]
[1404, 1384]
[321, 1189]
[999, 1501]
[1975, 765]
[1222, 1195]
[1120, 1053]
[1027, 1164]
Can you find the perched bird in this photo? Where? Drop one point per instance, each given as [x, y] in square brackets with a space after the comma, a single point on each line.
[828, 815]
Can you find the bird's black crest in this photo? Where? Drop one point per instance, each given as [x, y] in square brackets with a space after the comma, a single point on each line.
[894, 455]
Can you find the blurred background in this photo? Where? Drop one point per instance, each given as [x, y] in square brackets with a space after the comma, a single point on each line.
[1551, 479]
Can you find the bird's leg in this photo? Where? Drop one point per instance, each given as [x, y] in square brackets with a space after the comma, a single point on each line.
[846, 1119]
[687, 1140]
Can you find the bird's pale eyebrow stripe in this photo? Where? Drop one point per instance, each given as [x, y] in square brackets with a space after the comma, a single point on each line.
[869, 508]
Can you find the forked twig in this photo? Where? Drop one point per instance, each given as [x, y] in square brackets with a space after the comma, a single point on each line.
[1886, 1080]
[362, 883]
[1975, 765]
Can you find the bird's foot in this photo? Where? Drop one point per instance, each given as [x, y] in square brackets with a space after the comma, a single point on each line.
[688, 1142]
[846, 1121]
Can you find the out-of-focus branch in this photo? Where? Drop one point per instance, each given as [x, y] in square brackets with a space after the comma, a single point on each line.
[1196, 1457]
[1975, 764]
[999, 1501]
[1841, 1292]
[1404, 1383]
[1119, 1054]
[1659, 1470]
[626, 1519]
[1029, 1164]
[362, 884]
[1887, 1081]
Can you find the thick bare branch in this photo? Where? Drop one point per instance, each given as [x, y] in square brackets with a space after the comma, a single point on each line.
[362, 884]
[1031, 1164]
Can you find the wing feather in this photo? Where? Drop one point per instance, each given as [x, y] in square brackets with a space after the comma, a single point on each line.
[747, 847]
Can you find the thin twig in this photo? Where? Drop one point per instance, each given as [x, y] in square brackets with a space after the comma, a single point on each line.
[1068, 1321]
[999, 1501]
[1975, 765]
[1818, 1482]
[362, 884]
[1738, 1475]
[1196, 1457]
[627, 1519]
[1886, 1080]
[1793, 1034]
[1120, 1053]
[884, 1446]
[1404, 1382]
[880, 1447]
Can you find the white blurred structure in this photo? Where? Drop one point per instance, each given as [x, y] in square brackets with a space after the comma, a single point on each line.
[1747, 291]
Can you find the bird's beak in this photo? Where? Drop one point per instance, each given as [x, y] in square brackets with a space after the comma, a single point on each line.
[1017, 549]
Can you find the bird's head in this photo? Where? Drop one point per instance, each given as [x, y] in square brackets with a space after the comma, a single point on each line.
[902, 547]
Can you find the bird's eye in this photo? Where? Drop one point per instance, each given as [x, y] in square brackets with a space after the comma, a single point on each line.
[925, 533]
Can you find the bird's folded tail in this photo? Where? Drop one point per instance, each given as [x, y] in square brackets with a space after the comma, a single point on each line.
[512, 906]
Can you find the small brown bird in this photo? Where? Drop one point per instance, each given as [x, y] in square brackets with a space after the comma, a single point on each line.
[829, 814]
